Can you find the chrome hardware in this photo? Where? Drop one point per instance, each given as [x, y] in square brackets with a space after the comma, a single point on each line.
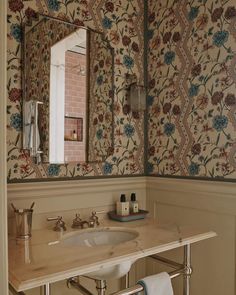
[180, 269]
[93, 220]
[60, 224]
[75, 283]
[78, 222]
[183, 269]
[23, 221]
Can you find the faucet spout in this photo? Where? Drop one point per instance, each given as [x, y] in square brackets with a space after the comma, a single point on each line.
[84, 222]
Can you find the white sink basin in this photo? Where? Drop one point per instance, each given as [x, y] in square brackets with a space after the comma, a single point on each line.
[103, 237]
[99, 237]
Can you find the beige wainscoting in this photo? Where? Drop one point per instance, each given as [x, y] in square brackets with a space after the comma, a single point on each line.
[211, 205]
[69, 197]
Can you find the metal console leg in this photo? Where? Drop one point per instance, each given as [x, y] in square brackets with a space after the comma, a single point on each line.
[187, 270]
[127, 280]
[45, 289]
[101, 286]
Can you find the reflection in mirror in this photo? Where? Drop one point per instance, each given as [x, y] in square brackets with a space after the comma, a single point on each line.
[68, 98]
[68, 92]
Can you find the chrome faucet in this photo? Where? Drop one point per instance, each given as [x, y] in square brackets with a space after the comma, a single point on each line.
[93, 220]
[60, 224]
[79, 223]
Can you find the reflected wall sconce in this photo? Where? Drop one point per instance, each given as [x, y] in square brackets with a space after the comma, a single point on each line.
[79, 69]
[136, 93]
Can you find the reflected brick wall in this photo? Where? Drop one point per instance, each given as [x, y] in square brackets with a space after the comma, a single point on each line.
[75, 106]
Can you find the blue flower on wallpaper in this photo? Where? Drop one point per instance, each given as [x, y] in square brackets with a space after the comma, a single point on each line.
[219, 122]
[193, 13]
[106, 23]
[150, 100]
[53, 170]
[107, 168]
[193, 90]
[100, 80]
[99, 134]
[54, 5]
[16, 121]
[16, 32]
[149, 167]
[129, 130]
[193, 169]
[220, 37]
[169, 129]
[169, 57]
[128, 61]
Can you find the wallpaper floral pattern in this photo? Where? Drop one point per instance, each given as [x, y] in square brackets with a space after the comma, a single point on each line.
[122, 22]
[101, 81]
[192, 88]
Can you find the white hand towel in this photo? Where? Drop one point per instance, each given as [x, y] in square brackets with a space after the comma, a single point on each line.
[159, 284]
[29, 121]
[28, 127]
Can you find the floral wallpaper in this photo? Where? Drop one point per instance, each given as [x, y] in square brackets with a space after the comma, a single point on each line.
[122, 23]
[101, 67]
[192, 88]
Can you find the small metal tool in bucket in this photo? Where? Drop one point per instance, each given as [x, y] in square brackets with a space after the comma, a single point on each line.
[23, 219]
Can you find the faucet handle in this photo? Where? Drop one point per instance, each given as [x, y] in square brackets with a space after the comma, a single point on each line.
[60, 224]
[93, 220]
[77, 222]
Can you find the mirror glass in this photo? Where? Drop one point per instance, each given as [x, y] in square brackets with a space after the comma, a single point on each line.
[68, 92]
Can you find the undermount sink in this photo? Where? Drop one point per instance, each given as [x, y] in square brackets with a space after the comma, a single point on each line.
[103, 237]
[99, 237]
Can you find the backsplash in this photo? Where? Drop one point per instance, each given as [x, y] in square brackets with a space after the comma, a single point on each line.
[192, 87]
[122, 23]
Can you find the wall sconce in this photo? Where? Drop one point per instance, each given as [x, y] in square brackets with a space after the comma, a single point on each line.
[137, 97]
[136, 94]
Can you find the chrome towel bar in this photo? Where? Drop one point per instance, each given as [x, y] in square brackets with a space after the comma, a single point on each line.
[180, 269]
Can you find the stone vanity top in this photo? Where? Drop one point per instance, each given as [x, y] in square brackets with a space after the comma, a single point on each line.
[44, 259]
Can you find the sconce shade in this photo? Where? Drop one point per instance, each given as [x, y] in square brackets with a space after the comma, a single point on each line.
[137, 97]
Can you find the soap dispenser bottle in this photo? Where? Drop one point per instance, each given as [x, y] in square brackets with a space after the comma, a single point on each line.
[122, 207]
[134, 208]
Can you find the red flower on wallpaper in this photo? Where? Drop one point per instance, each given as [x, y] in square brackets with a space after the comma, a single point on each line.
[25, 168]
[15, 94]
[30, 13]
[16, 5]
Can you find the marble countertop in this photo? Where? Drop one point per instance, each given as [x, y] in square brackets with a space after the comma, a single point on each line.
[44, 259]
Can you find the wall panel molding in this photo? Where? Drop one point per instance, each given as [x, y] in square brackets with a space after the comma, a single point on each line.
[72, 187]
[212, 196]
[65, 197]
[208, 205]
